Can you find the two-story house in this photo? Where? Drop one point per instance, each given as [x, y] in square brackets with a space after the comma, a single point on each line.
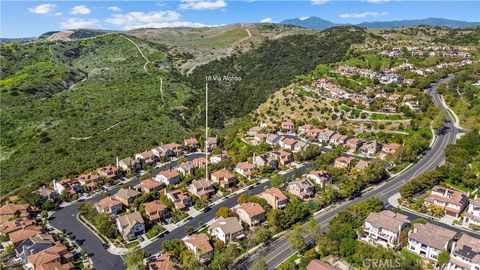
[465, 254]
[109, 205]
[109, 172]
[384, 228]
[200, 245]
[126, 196]
[180, 199]
[149, 185]
[227, 229]
[156, 211]
[224, 178]
[246, 169]
[343, 162]
[428, 240]
[452, 202]
[251, 213]
[274, 197]
[130, 225]
[169, 177]
[472, 215]
[302, 188]
[201, 188]
[319, 177]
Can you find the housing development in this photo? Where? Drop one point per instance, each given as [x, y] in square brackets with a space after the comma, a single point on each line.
[335, 146]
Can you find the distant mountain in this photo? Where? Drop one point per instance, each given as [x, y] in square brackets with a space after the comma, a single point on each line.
[320, 24]
[310, 23]
[428, 21]
[15, 39]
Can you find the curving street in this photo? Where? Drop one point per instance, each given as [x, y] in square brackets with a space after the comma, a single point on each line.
[280, 249]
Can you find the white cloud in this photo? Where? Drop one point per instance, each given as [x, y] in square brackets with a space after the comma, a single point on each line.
[362, 15]
[154, 19]
[80, 10]
[114, 9]
[75, 23]
[43, 9]
[202, 4]
[266, 20]
[58, 14]
[319, 2]
[377, 1]
[303, 18]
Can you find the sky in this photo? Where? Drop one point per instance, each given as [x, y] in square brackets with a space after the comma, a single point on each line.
[32, 18]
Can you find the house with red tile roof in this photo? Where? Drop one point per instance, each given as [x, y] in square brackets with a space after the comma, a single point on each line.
[274, 197]
[19, 236]
[14, 225]
[164, 262]
[288, 126]
[224, 178]
[452, 202]
[180, 199]
[109, 171]
[354, 144]
[109, 205]
[90, 181]
[150, 185]
[55, 257]
[156, 211]
[319, 177]
[246, 169]
[343, 162]
[304, 129]
[201, 188]
[251, 213]
[390, 149]
[192, 143]
[148, 157]
[200, 245]
[170, 177]
[9, 211]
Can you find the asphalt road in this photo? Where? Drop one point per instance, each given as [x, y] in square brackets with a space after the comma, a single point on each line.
[66, 218]
[280, 249]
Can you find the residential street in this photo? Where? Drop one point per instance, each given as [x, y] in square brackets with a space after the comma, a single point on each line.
[280, 250]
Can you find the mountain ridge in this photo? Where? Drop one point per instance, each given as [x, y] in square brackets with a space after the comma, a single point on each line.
[321, 24]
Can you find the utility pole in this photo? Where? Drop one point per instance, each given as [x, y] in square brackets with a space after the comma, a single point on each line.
[206, 130]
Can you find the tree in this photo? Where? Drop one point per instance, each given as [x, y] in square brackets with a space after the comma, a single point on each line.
[438, 121]
[276, 180]
[261, 235]
[134, 259]
[259, 264]
[189, 230]
[242, 198]
[223, 212]
[175, 247]
[443, 258]
[296, 238]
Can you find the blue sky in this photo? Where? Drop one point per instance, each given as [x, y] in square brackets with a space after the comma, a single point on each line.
[32, 18]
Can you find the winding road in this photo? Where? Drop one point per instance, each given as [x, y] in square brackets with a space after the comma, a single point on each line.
[280, 249]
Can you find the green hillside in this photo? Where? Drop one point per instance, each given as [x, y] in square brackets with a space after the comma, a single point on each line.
[115, 109]
[272, 65]
[71, 106]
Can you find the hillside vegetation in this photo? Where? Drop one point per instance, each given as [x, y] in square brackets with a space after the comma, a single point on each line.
[72, 106]
[114, 109]
[267, 68]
